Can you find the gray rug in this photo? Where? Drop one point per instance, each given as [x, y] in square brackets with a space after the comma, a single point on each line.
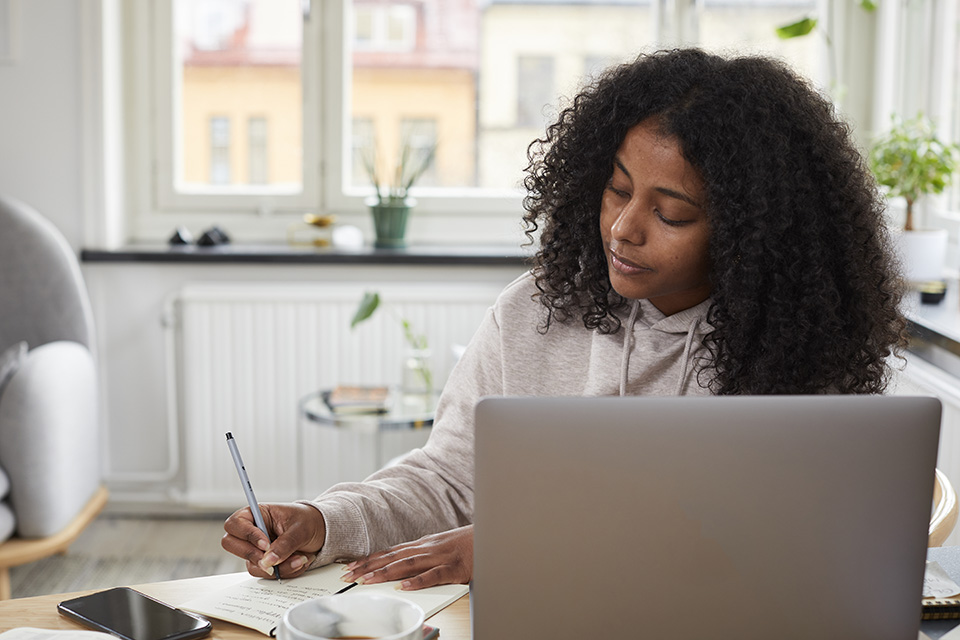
[63, 574]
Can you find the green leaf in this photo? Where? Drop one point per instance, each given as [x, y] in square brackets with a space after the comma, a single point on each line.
[367, 306]
[868, 5]
[911, 161]
[798, 28]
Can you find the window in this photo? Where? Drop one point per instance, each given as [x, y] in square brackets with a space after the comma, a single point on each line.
[235, 64]
[744, 25]
[384, 27]
[219, 150]
[419, 136]
[535, 90]
[362, 145]
[257, 150]
[250, 107]
[923, 57]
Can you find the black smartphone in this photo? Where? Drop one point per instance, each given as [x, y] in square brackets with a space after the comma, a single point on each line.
[132, 615]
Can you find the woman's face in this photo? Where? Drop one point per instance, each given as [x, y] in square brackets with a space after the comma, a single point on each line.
[653, 223]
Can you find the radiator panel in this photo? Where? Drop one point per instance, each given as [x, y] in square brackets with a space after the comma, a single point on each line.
[247, 354]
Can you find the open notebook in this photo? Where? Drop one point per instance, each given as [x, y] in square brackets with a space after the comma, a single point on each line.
[260, 604]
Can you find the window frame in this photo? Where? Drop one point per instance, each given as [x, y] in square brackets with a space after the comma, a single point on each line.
[917, 73]
[151, 210]
[326, 89]
[163, 88]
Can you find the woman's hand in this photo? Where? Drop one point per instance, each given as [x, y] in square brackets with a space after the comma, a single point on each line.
[298, 531]
[440, 558]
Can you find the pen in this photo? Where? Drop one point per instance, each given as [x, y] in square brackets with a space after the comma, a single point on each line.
[248, 490]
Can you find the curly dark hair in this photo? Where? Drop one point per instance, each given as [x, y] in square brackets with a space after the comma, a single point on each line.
[805, 290]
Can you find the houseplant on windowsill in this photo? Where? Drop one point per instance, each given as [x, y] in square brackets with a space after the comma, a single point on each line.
[910, 161]
[390, 205]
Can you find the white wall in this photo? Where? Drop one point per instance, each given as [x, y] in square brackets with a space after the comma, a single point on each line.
[40, 114]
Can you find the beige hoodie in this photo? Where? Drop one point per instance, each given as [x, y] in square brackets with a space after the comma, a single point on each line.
[431, 489]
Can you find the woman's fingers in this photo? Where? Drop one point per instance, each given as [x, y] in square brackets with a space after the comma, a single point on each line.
[297, 530]
[242, 538]
[442, 558]
[394, 568]
[433, 577]
[295, 565]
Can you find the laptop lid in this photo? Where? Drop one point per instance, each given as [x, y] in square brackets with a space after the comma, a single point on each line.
[704, 517]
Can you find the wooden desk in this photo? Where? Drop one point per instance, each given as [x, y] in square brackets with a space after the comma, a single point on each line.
[41, 611]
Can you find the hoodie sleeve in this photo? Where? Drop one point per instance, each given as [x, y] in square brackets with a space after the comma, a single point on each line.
[430, 489]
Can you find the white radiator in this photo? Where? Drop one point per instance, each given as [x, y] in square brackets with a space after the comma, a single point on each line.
[246, 354]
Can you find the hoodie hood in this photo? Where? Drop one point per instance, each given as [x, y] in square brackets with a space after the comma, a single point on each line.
[692, 322]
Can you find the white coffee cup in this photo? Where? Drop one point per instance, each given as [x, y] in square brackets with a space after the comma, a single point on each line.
[353, 615]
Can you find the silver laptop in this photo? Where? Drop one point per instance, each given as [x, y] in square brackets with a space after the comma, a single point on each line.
[724, 518]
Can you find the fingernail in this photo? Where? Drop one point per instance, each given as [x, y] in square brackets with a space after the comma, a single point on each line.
[298, 562]
[347, 577]
[263, 544]
[350, 566]
[403, 586]
[364, 579]
[269, 560]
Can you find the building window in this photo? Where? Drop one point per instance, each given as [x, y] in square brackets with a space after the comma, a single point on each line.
[384, 27]
[219, 150]
[487, 75]
[257, 150]
[236, 57]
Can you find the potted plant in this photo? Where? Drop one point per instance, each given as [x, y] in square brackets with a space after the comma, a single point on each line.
[390, 205]
[910, 161]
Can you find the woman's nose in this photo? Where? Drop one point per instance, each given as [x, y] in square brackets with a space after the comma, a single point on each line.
[629, 225]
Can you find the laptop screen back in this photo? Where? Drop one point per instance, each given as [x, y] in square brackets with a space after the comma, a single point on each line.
[714, 517]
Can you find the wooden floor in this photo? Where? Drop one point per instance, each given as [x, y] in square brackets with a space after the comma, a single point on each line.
[166, 537]
[116, 550]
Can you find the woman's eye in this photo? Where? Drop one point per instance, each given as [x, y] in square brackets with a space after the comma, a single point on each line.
[670, 221]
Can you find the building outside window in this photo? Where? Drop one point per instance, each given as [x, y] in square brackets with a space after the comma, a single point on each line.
[487, 74]
[219, 150]
[257, 147]
[535, 90]
[419, 136]
[243, 58]
[362, 145]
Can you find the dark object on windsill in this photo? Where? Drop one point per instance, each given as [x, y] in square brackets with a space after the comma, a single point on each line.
[933, 292]
[213, 236]
[181, 236]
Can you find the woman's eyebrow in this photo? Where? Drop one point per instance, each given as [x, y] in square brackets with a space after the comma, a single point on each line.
[664, 190]
[620, 166]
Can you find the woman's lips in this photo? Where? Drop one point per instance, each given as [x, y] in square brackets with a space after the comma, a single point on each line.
[626, 267]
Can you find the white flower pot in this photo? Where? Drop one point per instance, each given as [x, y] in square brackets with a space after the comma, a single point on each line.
[923, 253]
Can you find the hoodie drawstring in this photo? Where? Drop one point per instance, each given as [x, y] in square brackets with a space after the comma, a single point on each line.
[686, 355]
[627, 347]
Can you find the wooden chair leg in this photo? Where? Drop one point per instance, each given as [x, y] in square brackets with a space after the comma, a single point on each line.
[17, 551]
[5, 583]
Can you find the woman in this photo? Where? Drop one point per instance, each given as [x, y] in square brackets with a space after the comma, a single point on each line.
[706, 227]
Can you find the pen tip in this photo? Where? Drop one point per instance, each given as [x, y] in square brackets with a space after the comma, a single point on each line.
[229, 435]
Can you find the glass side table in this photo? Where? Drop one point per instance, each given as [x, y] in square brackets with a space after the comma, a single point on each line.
[336, 447]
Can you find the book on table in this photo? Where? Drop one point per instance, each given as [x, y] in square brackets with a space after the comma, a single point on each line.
[346, 399]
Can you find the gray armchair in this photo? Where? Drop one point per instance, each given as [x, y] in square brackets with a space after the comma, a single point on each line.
[50, 481]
